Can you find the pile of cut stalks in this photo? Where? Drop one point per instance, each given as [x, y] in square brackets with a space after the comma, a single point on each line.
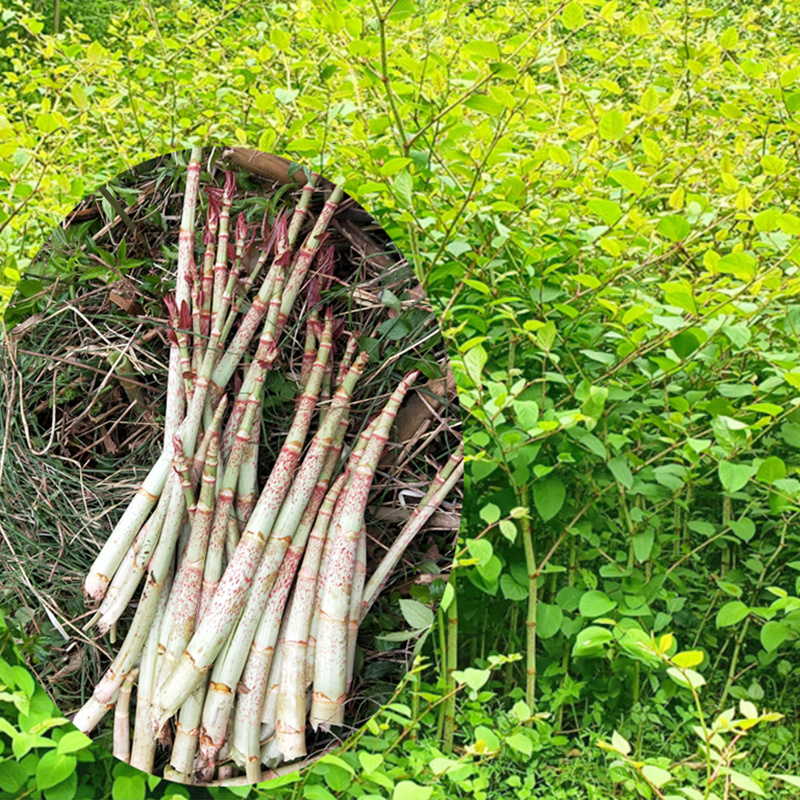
[245, 627]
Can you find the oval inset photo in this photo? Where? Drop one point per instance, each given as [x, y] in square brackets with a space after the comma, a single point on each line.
[230, 425]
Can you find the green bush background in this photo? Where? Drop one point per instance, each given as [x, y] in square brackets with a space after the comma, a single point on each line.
[601, 198]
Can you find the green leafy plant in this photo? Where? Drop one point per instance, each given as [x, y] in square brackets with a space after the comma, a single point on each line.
[723, 770]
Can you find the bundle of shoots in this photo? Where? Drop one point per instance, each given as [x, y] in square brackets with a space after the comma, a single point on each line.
[244, 553]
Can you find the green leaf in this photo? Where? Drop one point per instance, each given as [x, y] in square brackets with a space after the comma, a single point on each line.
[313, 792]
[488, 737]
[73, 741]
[572, 16]
[441, 766]
[521, 743]
[773, 635]
[416, 614]
[548, 496]
[481, 550]
[628, 180]
[404, 190]
[656, 775]
[684, 344]
[286, 96]
[13, 775]
[734, 476]
[512, 590]
[674, 227]
[594, 404]
[650, 99]
[612, 125]
[731, 613]
[527, 413]
[490, 513]
[546, 336]
[509, 530]
[66, 790]
[607, 210]
[548, 620]
[521, 711]
[771, 469]
[483, 103]
[729, 39]
[790, 431]
[740, 264]
[595, 603]
[129, 787]
[621, 471]
[620, 743]
[739, 335]
[390, 300]
[53, 768]
[745, 783]
[688, 658]
[590, 641]
[744, 528]
[474, 362]
[643, 544]
[474, 678]
[47, 123]
[24, 680]
[483, 49]
[79, 96]
[688, 678]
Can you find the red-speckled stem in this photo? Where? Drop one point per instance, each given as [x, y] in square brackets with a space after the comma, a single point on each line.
[230, 596]
[309, 351]
[220, 264]
[356, 596]
[228, 669]
[352, 463]
[305, 256]
[301, 210]
[330, 669]
[352, 346]
[212, 432]
[189, 578]
[291, 711]
[253, 685]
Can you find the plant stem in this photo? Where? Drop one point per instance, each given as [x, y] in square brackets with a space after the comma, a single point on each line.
[533, 595]
[452, 666]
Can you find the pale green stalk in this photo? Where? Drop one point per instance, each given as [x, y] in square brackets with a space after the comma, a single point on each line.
[113, 551]
[442, 485]
[122, 719]
[144, 740]
[127, 578]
